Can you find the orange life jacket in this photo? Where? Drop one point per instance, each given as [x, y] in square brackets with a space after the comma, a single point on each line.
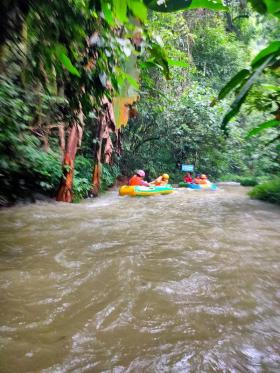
[203, 181]
[135, 180]
[159, 181]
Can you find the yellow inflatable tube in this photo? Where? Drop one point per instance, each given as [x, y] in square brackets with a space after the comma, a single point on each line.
[127, 190]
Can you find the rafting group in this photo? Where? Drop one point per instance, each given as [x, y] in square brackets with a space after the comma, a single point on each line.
[138, 186]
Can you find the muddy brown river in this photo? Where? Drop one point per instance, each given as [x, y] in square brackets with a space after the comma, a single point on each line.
[187, 282]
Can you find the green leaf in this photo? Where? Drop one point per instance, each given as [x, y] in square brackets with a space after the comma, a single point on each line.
[272, 49]
[133, 82]
[177, 63]
[243, 93]
[120, 9]
[167, 5]
[245, 89]
[259, 6]
[270, 87]
[273, 6]
[160, 58]
[237, 79]
[208, 4]
[138, 9]
[106, 9]
[61, 53]
[175, 5]
[231, 114]
[262, 127]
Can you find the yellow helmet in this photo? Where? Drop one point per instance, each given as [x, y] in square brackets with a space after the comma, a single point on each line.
[165, 176]
[203, 176]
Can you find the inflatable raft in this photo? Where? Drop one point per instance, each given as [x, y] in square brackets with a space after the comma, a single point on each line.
[127, 190]
[210, 186]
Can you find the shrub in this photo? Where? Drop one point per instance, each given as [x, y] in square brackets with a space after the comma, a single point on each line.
[230, 177]
[243, 180]
[81, 187]
[24, 166]
[269, 191]
[82, 178]
[248, 181]
[109, 175]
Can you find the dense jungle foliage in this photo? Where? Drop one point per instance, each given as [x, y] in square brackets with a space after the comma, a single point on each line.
[199, 86]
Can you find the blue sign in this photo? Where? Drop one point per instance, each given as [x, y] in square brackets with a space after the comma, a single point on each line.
[187, 167]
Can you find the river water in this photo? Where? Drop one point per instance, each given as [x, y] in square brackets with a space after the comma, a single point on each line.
[187, 282]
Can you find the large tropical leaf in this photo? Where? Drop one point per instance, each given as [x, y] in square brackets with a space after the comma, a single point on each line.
[230, 114]
[262, 127]
[251, 81]
[240, 98]
[272, 49]
[236, 80]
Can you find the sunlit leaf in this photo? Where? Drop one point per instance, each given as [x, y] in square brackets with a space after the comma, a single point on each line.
[175, 5]
[177, 63]
[61, 53]
[269, 87]
[208, 4]
[120, 9]
[132, 81]
[273, 6]
[106, 9]
[138, 9]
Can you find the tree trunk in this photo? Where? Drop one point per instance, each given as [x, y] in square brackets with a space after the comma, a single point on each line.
[97, 169]
[65, 192]
[106, 123]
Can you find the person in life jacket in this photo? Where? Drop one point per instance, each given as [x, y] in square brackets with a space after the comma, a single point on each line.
[197, 179]
[138, 179]
[161, 180]
[188, 178]
[201, 179]
[204, 180]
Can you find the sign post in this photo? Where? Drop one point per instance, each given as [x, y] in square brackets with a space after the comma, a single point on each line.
[187, 167]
